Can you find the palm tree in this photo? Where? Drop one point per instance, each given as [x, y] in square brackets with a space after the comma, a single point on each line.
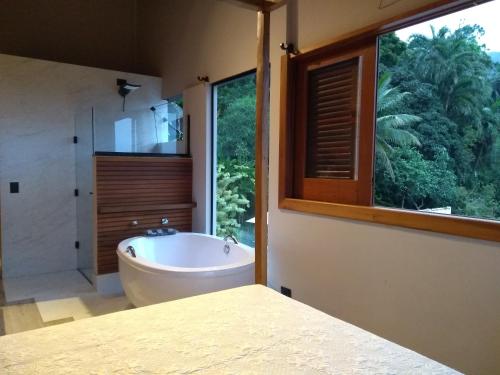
[463, 77]
[391, 125]
[455, 63]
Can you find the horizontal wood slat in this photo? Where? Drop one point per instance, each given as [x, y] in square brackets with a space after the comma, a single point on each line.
[172, 206]
[331, 124]
[133, 195]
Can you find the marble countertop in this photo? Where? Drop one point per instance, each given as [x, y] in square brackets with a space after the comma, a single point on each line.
[248, 330]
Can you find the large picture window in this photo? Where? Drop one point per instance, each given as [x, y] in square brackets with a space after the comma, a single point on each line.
[411, 139]
[438, 115]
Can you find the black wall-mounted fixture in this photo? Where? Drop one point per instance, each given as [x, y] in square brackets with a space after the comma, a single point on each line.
[125, 88]
[286, 291]
[289, 48]
[14, 187]
[203, 79]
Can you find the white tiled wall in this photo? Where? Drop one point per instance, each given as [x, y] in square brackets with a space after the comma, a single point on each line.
[38, 103]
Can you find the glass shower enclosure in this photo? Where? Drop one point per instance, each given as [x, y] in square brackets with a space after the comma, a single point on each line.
[160, 130]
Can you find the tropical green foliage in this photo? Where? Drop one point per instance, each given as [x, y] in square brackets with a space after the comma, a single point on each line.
[236, 158]
[392, 125]
[440, 95]
[231, 203]
[236, 120]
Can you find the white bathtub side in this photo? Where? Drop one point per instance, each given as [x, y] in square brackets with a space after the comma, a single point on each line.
[146, 283]
[145, 287]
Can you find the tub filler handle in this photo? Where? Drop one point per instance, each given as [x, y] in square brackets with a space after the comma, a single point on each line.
[227, 248]
[131, 251]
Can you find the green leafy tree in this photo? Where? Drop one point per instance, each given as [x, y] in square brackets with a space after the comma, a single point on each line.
[418, 183]
[457, 67]
[390, 51]
[236, 120]
[236, 157]
[391, 125]
[236, 130]
[480, 202]
[454, 89]
[230, 202]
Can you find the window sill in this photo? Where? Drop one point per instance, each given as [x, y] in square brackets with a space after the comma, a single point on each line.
[455, 225]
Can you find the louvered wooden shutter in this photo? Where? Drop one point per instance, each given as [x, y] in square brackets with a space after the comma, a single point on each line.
[330, 118]
[331, 122]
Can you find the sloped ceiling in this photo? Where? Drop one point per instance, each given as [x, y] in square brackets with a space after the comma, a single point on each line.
[99, 33]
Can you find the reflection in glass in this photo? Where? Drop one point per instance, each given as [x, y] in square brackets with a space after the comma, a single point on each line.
[123, 135]
[158, 129]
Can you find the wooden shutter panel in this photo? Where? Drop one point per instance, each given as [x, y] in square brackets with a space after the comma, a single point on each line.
[332, 120]
[328, 114]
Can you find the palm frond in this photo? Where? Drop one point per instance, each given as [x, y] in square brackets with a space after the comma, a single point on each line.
[398, 121]
[383, 157]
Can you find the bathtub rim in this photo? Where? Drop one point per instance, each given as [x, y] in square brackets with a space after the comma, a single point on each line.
[146, 265]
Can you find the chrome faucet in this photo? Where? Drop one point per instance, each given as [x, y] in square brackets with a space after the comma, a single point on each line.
[227, 248]
[231, 237]
[131, 251]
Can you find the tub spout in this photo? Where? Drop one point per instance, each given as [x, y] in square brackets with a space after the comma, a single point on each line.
[231, 237]
[131, 251]
[227, 248]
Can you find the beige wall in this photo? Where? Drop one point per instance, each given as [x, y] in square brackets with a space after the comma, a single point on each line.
[197, 107]
[181, 40]
[100, 33]
[438, 295]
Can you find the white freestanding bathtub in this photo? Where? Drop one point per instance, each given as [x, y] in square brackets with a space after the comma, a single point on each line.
[181, 265]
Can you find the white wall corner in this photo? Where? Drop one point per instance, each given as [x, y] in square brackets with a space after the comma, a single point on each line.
[197, 105]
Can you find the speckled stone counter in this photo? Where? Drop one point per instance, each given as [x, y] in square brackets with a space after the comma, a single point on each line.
[248, 330]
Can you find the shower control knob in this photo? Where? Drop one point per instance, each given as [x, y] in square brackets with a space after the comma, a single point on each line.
[135, 222]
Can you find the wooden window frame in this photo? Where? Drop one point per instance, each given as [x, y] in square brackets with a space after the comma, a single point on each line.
[352, 191]
[287, 198]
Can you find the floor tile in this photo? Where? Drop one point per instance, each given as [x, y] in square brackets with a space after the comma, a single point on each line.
[43, 300]
[47, 286]
[21, 317]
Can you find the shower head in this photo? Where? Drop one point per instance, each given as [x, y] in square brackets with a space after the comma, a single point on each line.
[125, 88]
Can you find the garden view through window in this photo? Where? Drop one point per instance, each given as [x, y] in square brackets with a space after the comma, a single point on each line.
[438, 115]
[234, 154]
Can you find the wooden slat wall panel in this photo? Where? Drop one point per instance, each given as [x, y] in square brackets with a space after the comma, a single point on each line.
[112, 229]
[136, 181]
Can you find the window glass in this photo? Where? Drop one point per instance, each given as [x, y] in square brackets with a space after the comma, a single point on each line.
[438, 115]
[234, 157]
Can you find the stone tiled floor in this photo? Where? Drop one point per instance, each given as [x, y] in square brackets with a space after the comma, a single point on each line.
[43, 300]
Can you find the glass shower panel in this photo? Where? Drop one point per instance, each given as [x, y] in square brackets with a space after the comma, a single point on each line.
[84, 184]
[159, 129]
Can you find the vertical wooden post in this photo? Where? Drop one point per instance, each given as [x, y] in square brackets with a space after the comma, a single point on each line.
[262, 146]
